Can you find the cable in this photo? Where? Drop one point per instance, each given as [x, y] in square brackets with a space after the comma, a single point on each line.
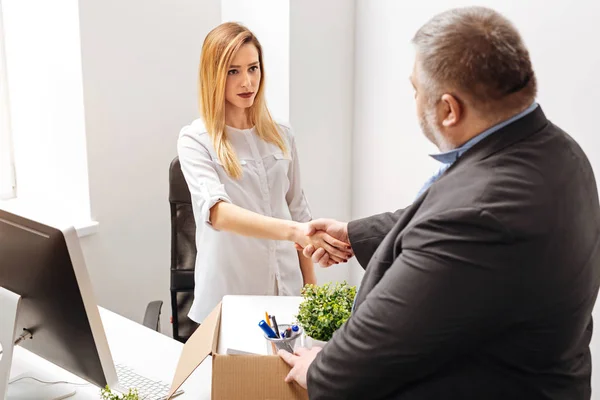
[48, 383]
[56, 383]
[23, 336]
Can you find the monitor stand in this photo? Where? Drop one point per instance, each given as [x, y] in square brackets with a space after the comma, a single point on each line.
[20, 388]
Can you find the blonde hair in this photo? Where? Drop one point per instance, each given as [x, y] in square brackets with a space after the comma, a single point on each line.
[218, 51]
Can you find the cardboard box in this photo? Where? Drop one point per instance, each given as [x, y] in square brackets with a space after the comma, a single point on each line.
[254, 377]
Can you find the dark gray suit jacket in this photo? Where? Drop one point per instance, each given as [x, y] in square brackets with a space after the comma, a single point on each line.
[481, 289]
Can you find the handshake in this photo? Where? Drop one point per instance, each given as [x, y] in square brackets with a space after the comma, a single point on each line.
[325, 241]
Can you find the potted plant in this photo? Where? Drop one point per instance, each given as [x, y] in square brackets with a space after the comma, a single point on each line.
[324, 309]
[107, 394]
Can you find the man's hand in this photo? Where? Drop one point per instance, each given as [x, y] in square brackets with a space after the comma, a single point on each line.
[335, 229]
[306, 236]
[299, 363]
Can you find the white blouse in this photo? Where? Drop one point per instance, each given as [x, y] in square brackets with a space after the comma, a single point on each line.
[227, 263]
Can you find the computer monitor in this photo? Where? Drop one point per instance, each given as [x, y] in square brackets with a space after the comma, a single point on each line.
[45, 266]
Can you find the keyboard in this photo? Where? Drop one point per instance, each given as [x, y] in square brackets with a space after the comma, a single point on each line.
[148, 389]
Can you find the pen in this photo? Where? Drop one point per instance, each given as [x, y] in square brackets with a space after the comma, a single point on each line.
[267, 318]
[267, 329]
[288, 332]
[275, 327]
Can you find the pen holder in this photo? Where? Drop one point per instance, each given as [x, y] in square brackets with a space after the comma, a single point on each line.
[288, 344]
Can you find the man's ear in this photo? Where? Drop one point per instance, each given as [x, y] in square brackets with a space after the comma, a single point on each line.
[452, 110]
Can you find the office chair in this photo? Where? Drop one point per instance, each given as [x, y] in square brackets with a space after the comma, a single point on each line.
[152, 315]
[183, 253]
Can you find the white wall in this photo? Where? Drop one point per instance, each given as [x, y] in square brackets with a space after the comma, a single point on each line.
[46, 109]
[140, 61]
[321, 101]
[269, 20]
[389, 153]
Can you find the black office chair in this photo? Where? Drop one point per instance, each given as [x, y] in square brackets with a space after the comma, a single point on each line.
[183, 253]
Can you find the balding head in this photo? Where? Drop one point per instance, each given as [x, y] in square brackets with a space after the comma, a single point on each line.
[479, 53]
[472, 70]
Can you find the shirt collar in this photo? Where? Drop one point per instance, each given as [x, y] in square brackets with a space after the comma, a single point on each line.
[449, 157]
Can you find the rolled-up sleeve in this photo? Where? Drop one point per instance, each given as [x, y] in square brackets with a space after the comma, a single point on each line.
[201, 176]
[296, 200]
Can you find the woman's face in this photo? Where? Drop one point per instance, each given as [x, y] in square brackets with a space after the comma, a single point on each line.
[243, 77]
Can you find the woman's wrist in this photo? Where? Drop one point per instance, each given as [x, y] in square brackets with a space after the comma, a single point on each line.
[295, 232]
[310, 278]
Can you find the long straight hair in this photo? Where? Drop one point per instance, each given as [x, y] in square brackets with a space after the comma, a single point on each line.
[218, 51]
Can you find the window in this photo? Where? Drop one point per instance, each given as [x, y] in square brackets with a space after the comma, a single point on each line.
[44, 160]
[7, 172]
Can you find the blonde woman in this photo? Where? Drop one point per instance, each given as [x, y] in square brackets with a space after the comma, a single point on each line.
[244, 178]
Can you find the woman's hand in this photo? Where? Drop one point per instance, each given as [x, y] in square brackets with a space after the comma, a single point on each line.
[338, 250]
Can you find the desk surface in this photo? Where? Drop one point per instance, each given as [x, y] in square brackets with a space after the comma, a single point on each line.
[155, 355]
[150, 353]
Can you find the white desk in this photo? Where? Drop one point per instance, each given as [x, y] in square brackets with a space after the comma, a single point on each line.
[155, 355]
[150, 353]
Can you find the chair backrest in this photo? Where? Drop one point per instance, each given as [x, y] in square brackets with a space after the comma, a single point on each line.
[183, 253]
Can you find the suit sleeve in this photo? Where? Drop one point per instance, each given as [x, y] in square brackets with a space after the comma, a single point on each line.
[366, 234]
[439, 299]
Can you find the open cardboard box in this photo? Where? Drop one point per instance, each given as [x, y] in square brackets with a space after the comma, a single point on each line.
[234, 376]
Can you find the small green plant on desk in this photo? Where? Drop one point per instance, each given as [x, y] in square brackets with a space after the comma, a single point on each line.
[107, 394]
[325, 308]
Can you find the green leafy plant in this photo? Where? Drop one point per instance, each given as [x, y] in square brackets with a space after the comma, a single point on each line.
[325, 308]
[107, 394]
